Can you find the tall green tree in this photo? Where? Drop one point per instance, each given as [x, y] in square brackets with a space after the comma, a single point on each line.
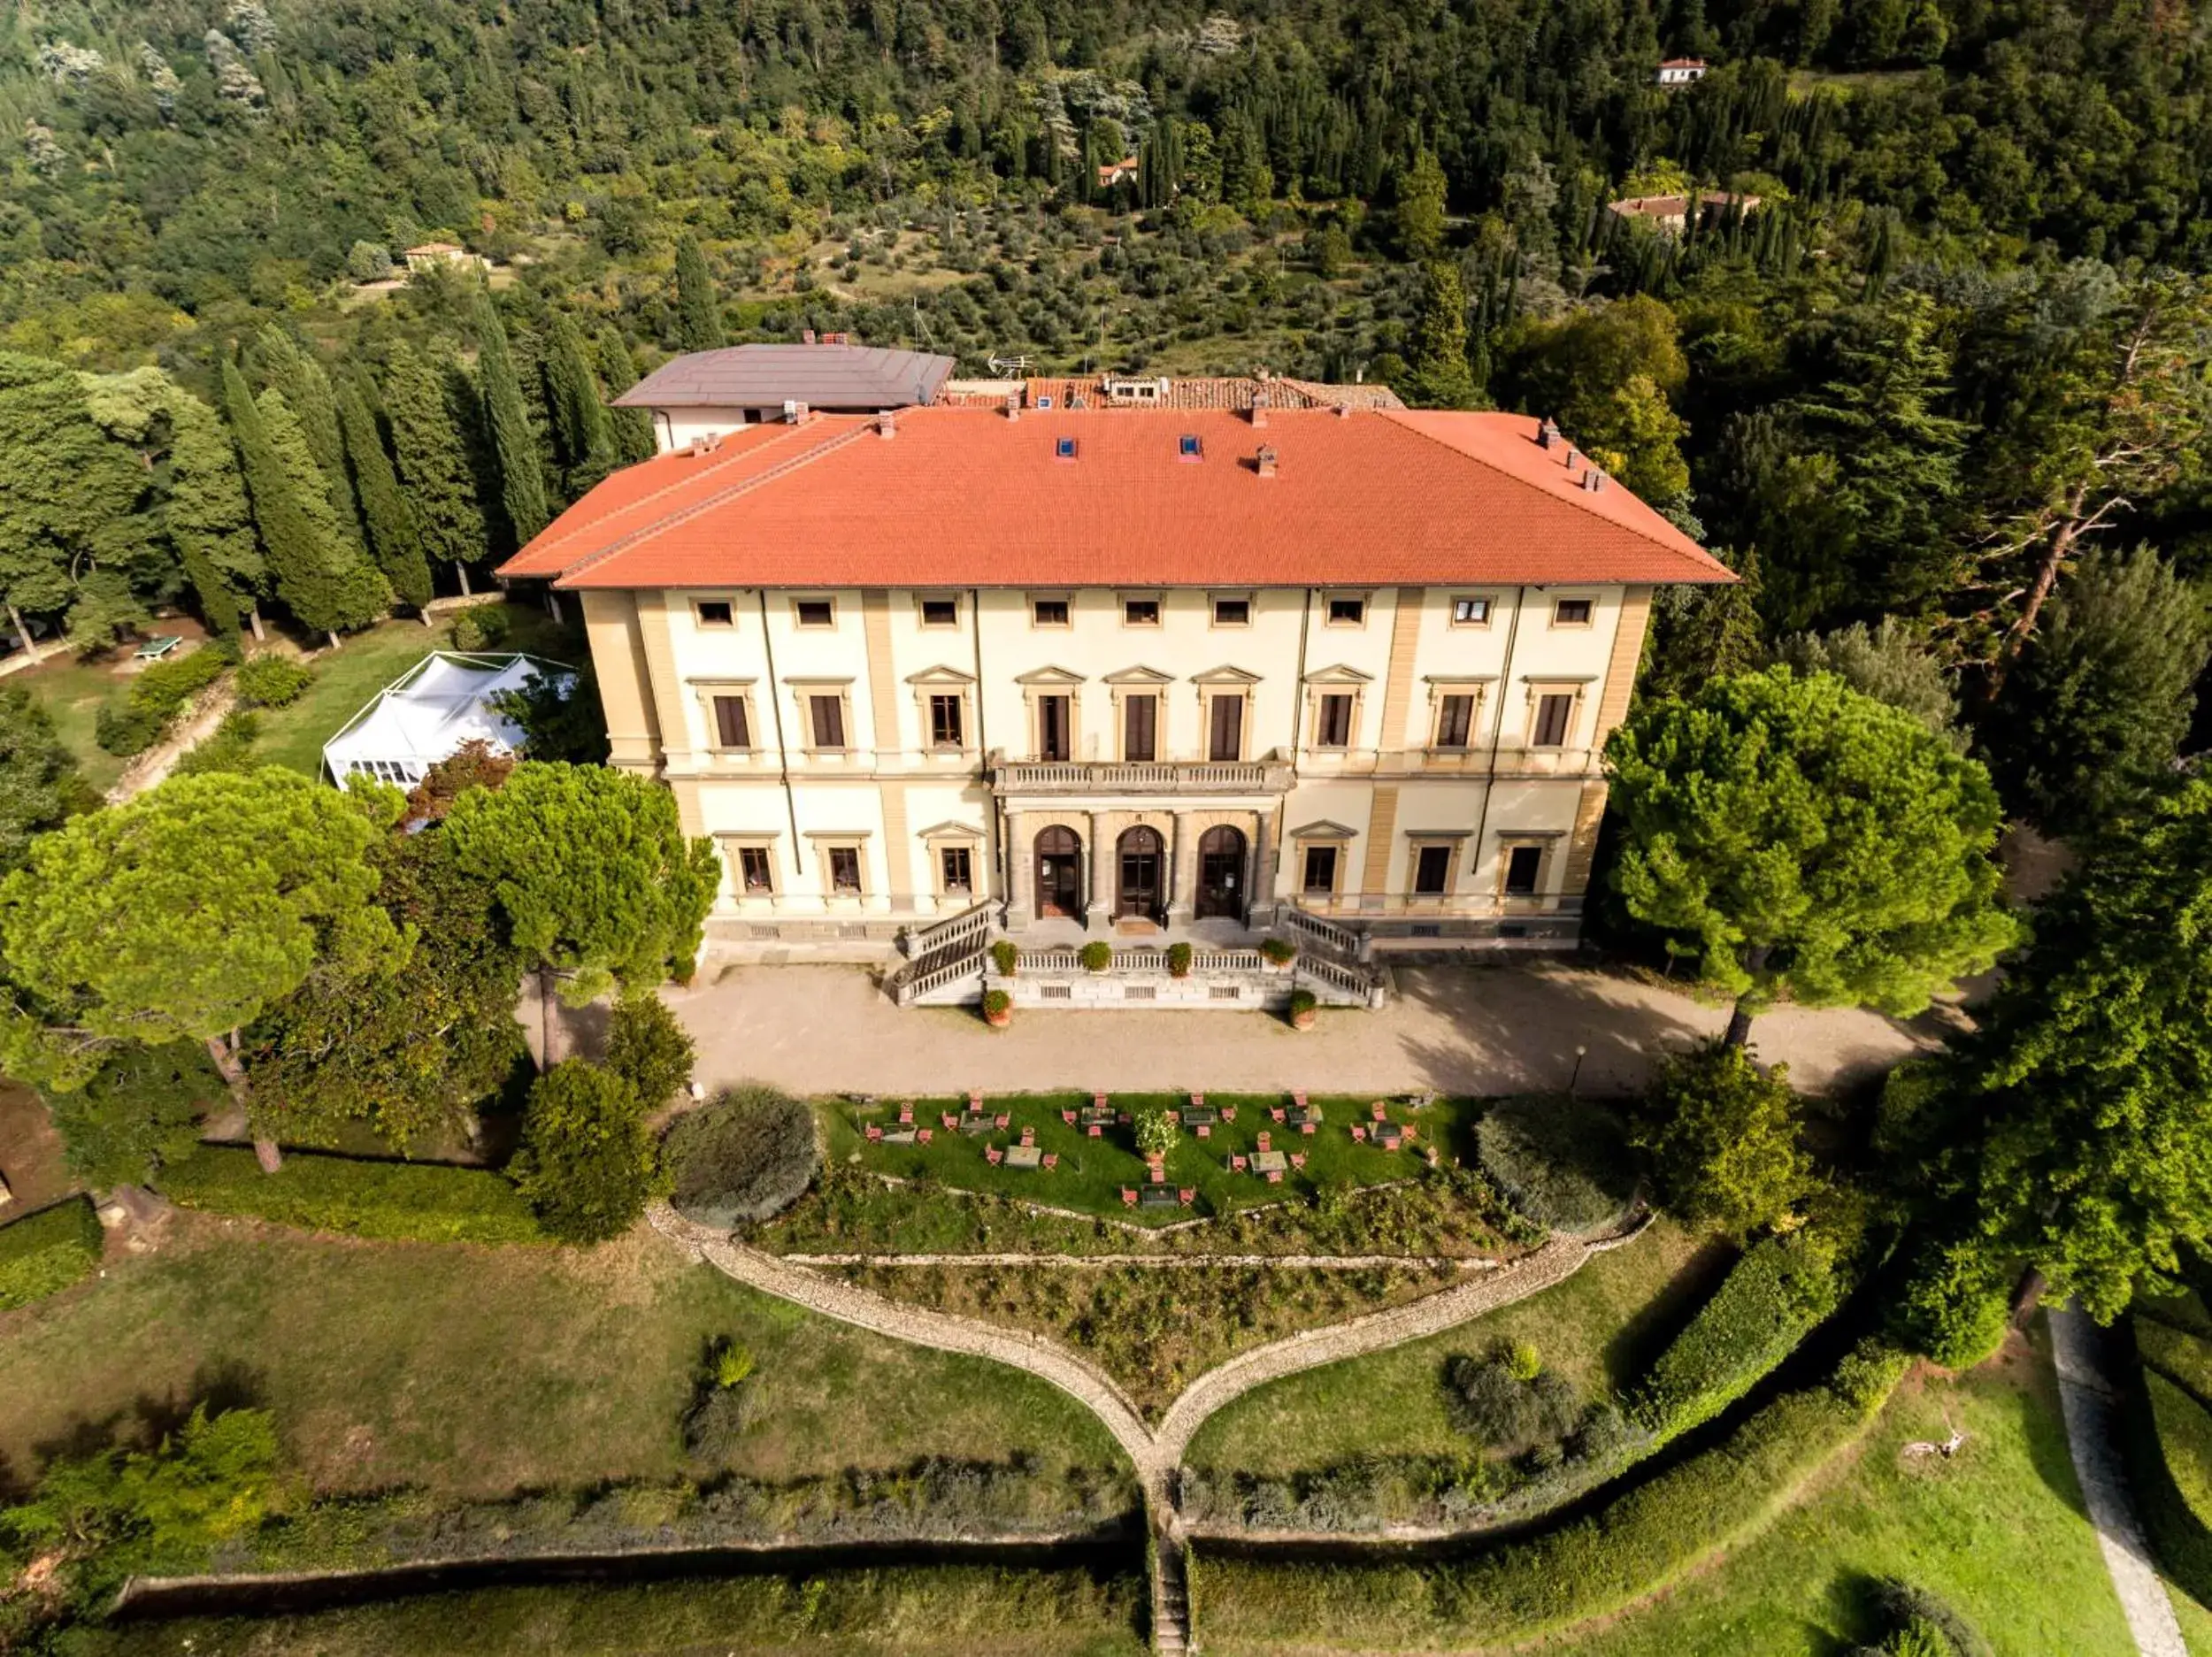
[391, 523]
[581, 430]
[432, 458]
[1808, 842]
[1888, 663]
[2072, 1135]
[588, 1165]
[632, 428]
[521, 479]
[1440, 377]
[2098, 707]
[592, 871]
[66, 490]
[209, 518]
[698, 311]
[349, 593]
[284, 364]
[1722, 1139]
[40, 787]
[302, 563]
[1700, 633]
[182, 915]
[1418, 218]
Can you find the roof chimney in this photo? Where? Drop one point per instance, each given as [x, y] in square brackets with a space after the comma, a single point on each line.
[1013, 405]
[888, 424]
[807, 338]
[794, 410]
[1259, 407]
[1593, 480]
[1546, 433]
[1265, 460]
[1344, 410]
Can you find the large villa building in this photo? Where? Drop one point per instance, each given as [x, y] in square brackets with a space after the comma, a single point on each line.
[1146, 672]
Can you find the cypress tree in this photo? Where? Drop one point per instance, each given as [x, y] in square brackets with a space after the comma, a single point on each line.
[392, 532]
[521, 483]
[1441, 377]
[282, 362]
[316, 581]
[433, 461]
[698, 313]
[579, 419]
[209, 520]
[632, 428]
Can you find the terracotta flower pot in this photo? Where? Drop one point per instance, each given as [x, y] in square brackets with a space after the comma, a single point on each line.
[1000, 1019]
[1305, 1018]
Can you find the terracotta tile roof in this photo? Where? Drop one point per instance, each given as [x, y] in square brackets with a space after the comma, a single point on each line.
[965, 498]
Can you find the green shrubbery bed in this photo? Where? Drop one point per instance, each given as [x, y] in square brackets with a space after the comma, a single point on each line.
[44, 1253]
[1638, 1542]
[400, 1202]
[1563, 1162]
[156, 696]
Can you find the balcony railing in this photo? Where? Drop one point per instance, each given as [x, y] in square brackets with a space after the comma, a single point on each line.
[1162, 777]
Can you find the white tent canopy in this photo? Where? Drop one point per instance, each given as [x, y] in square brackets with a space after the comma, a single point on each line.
[425, 714]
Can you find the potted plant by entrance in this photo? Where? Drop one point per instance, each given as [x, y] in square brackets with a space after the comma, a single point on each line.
[1278, 952]
[1303, 1009]
[1005, 956]
[1178, 960]
[1096, 955]
[998, 1009]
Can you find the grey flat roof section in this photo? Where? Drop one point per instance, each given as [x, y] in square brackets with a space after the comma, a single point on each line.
[847, 377]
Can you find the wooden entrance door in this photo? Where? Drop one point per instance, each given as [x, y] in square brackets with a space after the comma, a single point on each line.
[1059, 873]
[1137, 885]
[1221, 874]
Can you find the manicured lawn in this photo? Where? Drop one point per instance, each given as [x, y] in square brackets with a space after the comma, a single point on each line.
[473, 1371]
[1599, 1328]
[955, 1610]
[74, 691]
[1092, 1173]
[1998, 1531]
[347, 677]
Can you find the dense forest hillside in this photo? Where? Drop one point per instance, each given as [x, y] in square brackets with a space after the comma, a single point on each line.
[1955, 350]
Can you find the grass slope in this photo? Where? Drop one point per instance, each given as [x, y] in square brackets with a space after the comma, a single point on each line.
[473, 1371]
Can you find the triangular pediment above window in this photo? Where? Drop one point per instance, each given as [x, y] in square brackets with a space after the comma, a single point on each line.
[941, 676]
[1139, 676]
[1225, 676]
[950, 831]
[1047, 676]
[1322, 829]
[1339, 675]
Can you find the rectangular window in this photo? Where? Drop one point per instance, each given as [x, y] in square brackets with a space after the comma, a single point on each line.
[1571, 612]
[731, 729]
[1054, 740]
[1554, 714]
[1348, 612]
[1048, 612]
[1431, 870]
[954, 860]
[940, 612]
[844, 867]
[1233, 613]
[1455, 719]
[1333, 729]
[714, 612]
[1524, 865]
[828, 713]
[1225, 740]
[944, 721]
[1471, 612]
[1320, 872]
[755, 872]
[815, 612]
[1140, 612]
[1140, 729]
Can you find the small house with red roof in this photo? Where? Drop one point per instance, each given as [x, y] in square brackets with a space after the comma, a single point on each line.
[1682, 71]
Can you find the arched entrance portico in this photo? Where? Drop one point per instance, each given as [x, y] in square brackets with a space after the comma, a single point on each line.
[1222, 854]
[1140, 875]
[1059, 873]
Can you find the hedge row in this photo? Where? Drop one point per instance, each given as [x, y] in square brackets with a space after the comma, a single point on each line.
[1777, 1294]
[2170, 1446]
[156, 696]
[1640, 1543]
[423, 1202]
[44, 1253]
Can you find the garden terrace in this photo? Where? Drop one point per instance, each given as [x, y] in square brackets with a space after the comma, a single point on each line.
[1096, 1176]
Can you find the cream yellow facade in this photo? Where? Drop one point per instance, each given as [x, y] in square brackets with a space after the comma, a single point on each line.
[1421, 763]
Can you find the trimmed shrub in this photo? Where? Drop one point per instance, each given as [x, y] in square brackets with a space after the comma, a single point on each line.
[1301, 1002]
[1913, 1622]
[746, 1156]
[229, 746]
[273, 681]
[1005, 956]
[139, 1111]
[1508, 1409]
[1769, 1301]
[649, 1050]
[124, 731]
[727, 1403]
[1178, 960]
[425, 1203]
[1721, 1135]
[1563, 1162]
[1279, 952]
[156, 696]
[997, 1003]
[42, 1253]
[588, 1165]
[482, 627]
[1953, 1310]
[1157, 1131]
[1096, 955]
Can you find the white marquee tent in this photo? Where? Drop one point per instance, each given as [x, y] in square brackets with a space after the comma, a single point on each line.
[425, 714]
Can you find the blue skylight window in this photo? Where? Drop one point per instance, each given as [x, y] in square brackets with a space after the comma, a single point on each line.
[1063, 448]
[1189, 447]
